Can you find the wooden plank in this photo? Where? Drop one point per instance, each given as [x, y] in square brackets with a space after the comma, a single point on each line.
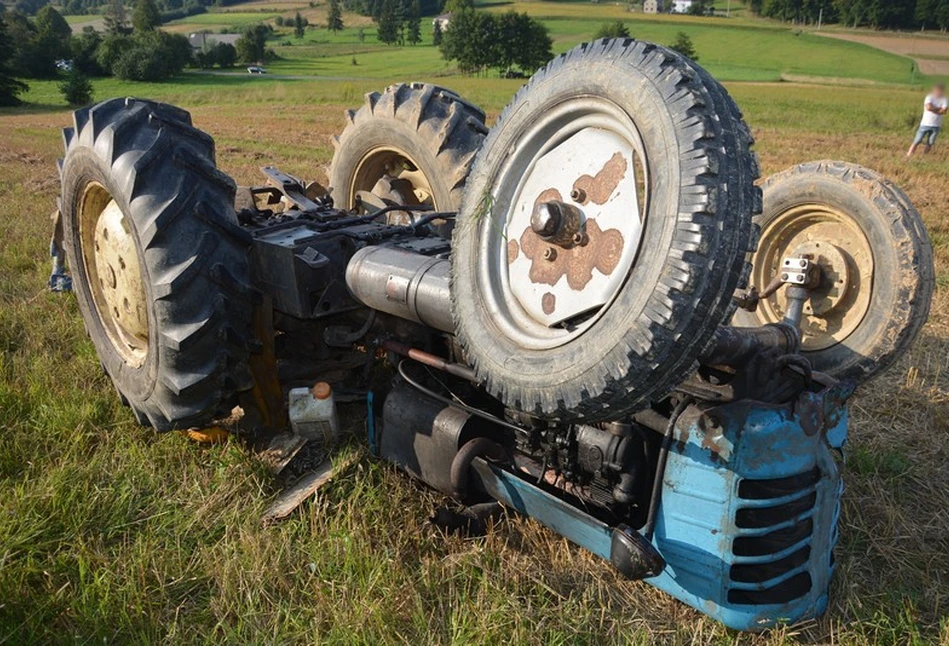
[281, 450]
[306, 486]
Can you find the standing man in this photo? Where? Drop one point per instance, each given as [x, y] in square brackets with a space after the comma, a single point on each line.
[934, 107]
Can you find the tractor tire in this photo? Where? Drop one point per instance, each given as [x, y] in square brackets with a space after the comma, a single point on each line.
[421, 138]
[161, 269]
[867, 311]
[630, 346]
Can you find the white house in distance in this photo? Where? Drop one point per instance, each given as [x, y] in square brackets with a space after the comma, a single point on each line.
[681, 6]
[652, 6]
[442, 21]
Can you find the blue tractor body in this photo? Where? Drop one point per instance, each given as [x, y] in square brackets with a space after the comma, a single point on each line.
[748, 518]
[746, 522]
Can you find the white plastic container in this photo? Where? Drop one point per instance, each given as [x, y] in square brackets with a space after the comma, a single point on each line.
[313, 414]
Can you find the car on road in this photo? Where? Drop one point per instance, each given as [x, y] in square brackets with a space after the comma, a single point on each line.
[254, 69]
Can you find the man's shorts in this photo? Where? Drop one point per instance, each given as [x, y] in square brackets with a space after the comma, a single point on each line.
[926, 135]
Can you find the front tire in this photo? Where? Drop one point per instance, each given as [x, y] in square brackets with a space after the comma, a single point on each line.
[877, 265]
[161, 274]
[648, 148]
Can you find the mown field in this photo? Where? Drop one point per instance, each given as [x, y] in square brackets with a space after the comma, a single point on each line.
[110, 533]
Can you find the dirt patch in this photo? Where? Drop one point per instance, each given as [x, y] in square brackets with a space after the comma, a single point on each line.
[921, 49]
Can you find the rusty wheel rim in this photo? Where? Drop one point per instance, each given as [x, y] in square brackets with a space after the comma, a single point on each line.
[835, 240]
[113, 271]
[587, 154]
[393, 175]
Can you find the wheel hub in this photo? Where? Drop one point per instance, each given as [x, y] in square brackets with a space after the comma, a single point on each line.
[575, 222]
[840, 301]
[115, 278]
[391, 175]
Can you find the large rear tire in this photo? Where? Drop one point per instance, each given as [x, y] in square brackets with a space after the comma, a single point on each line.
[160, 268]
[654, 154]
[411, 144]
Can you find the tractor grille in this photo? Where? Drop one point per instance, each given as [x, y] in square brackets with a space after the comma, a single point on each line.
[771, 548]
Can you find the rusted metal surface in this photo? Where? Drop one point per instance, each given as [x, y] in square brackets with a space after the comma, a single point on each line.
[600, 250]
[558, 223]
[264, 404]
[575, 216]
[549, 303]
[512, 250]
[714, 438]
[818, 412]
[598, 188]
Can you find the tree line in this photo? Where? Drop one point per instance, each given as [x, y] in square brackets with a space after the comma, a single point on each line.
[884, 14]
[375, 8]
[169, 9]
[478, 41]
[399, 22]
[131, 48]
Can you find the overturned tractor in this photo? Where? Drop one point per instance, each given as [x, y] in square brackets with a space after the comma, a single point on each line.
[589, 313]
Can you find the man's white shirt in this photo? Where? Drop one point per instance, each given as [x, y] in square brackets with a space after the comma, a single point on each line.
[931, 119]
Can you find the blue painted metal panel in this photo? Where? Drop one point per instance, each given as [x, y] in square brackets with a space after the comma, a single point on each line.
[697, 531]
[552, 512]
[698, 525]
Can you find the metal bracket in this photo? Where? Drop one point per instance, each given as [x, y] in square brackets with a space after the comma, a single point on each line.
[291, 187]
[59, 279]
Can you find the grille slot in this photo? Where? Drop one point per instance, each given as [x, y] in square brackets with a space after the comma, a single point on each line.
[777, 487]
[773, 542]
[757, 517]
[797, 586]
[776, 519]
[761, 572]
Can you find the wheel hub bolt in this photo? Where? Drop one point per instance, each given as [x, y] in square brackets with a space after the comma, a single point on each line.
[550, 254]
[546, 219]
[578, 195]
[558, 223]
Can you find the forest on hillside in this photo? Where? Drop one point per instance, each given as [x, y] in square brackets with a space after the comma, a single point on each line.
[883, 14]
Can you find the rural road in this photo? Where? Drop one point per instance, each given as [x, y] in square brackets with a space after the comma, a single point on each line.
[286, 77]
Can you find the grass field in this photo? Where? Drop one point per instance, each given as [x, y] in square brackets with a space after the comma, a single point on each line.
[740, 48]
[732, 50]
[112, 534]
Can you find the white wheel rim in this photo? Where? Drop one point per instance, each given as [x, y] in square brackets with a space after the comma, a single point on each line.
[588, 144]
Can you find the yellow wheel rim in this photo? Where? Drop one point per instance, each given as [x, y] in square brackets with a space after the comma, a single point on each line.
[411, 185]
[113, 270]
[835, 241]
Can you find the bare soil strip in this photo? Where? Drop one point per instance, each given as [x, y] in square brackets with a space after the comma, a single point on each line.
[921, 49]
